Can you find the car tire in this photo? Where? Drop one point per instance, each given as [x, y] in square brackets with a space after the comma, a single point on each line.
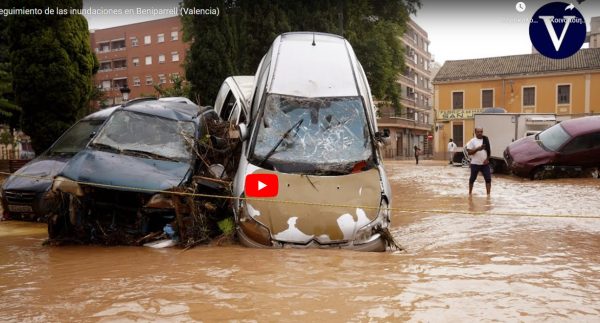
[58, 226]
[539, 173]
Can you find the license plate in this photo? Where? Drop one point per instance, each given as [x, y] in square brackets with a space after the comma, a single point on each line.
[20, 208]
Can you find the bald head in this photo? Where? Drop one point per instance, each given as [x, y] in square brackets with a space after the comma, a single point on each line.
[479, 132]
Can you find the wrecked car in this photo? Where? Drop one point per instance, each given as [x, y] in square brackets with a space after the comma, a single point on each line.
[310, 146]
[565, 148]
[25, 194]
[118, 189]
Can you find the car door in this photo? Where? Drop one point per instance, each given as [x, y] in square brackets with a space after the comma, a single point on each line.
[582, 150]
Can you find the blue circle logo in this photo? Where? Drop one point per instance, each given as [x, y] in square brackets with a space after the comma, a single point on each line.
[557, 30]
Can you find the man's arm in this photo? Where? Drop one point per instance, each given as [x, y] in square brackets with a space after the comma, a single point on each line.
[472, 150]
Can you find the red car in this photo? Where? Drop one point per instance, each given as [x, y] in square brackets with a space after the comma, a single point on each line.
[571, 146]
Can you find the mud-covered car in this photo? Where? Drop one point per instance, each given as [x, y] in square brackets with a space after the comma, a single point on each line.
[115, 190]
[310, 172]
[25, 193]
[568, 147]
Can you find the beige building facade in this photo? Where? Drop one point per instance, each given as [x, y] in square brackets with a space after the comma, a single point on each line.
[528, 83]
[413, 124]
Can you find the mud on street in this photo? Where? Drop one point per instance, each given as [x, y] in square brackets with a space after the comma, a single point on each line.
[457, 266]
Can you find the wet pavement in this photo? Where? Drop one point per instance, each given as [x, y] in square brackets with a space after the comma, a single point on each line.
[519, 255]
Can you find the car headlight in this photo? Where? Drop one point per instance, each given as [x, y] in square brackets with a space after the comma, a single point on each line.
[63, 184]
[371, 231]
[160, 201]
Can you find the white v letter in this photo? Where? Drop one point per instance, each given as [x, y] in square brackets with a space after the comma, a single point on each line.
[555, 41]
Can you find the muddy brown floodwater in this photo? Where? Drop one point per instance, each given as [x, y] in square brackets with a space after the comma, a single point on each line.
[457, 267]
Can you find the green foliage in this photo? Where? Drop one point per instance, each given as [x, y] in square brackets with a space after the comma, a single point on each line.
[227, 226]
[9, 111]
[179, 88]
[52, 68]
[234, 42]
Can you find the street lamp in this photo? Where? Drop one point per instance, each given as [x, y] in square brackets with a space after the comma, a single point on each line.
[125, 92]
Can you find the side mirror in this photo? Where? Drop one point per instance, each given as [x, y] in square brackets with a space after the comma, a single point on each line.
[240, 131]
[383, 137]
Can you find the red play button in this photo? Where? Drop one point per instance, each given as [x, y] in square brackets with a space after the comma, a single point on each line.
[262, 185]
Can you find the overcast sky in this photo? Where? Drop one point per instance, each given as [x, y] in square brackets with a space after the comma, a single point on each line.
[460, 29]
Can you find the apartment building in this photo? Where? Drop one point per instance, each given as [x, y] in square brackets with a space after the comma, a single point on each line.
[412, 125]
[529, 83]
[138, 56]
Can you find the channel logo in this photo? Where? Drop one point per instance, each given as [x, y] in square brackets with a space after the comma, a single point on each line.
[557, 30]
[262, 185]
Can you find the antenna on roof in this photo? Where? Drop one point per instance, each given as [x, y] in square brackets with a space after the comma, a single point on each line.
[313, 43]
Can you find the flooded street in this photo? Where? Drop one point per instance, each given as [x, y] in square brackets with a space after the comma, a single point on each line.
[506, 257]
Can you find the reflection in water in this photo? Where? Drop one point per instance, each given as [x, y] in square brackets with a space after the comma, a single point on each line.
[457, 267]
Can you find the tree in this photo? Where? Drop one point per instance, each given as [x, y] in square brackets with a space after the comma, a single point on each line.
[9, 111]
[179, 88]
[52, 67]
[234, 42]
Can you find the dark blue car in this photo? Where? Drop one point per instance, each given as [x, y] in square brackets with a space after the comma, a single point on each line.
[113, 191]
[25, 194]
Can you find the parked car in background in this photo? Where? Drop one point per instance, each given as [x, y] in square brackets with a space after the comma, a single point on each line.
[112, 191]
[24, 193]
[310, 123]
[570, 146]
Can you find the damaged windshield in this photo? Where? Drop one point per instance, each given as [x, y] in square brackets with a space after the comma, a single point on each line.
[312, 134]
[146, 136]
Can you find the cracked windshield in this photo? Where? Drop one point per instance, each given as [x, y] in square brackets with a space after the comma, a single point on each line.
[132, 132]
[315, 131]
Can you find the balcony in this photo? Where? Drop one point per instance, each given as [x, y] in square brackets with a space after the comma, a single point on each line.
[401, 120]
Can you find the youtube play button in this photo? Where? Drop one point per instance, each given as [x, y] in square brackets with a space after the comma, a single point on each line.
[262, 185]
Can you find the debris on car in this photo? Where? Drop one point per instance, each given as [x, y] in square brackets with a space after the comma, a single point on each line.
[155, 170]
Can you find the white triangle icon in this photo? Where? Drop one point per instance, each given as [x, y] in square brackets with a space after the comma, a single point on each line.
[261, 185]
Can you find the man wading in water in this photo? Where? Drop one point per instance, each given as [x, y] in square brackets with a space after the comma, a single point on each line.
[479, 150]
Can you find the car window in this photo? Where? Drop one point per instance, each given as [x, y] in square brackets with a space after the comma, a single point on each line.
[554, 137]
[319, 132]
[127, 130]
[76, 138]
[583, 143]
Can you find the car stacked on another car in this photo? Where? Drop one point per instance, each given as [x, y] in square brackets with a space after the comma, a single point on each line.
[569, 146]
[113, 191]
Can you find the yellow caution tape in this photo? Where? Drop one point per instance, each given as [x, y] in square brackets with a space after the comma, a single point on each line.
[273, 200]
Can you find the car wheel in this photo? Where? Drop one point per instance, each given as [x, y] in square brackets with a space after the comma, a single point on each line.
[58, 225]
[540, 173]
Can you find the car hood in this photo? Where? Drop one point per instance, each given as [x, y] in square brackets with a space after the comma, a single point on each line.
[124, 172]
[303, 211]
[37, 175]
[529, 150]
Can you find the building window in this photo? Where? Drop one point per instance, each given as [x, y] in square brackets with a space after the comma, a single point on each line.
[457, 100]
[135, 61]
[487, 98]
[563, 94]
[149, 80]
[528, 96]
[106, 85]
[136, 81]
[160, 38]
[134, 41]
[147, 40]
[174, 57]
[161, 58]
[148, 60]
[162, 79]
[174, 35]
